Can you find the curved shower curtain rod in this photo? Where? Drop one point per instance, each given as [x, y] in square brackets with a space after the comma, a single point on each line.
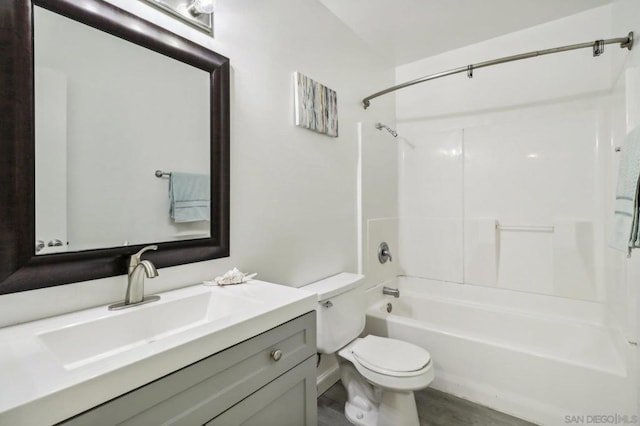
[598, 49]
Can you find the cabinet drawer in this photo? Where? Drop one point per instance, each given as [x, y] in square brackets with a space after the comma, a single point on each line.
[290, 400]
[201, 391]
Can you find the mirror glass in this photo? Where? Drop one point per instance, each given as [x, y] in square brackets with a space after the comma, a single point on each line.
[108, 114]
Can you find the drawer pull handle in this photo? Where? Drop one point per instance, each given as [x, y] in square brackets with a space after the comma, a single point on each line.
[276, 355]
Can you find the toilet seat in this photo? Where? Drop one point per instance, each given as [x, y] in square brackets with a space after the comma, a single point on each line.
[391, 357]
[384, 372]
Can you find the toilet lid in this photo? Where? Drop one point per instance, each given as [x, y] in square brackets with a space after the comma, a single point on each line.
[390, 356]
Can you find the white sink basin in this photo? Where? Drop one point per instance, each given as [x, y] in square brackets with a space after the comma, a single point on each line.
[76, 345]
[61, 366]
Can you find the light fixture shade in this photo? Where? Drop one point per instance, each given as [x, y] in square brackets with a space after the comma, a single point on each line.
[198, 13]
[203, 6]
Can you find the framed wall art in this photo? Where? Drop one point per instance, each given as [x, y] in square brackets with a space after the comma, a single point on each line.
[316, 106]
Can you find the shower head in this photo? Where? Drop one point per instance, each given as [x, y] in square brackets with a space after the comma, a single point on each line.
[381, 126]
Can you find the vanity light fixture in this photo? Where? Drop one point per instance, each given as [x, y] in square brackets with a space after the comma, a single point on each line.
[198, 13]
[199, 7]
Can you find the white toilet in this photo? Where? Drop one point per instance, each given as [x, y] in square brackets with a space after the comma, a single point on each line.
[379, 374]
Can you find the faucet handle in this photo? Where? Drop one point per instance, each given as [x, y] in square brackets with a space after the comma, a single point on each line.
[142, 250]
[384, 254]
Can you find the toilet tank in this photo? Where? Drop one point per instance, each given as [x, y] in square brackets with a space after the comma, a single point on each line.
[340, 310]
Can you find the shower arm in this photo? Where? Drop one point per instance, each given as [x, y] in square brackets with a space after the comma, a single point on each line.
[598, 49]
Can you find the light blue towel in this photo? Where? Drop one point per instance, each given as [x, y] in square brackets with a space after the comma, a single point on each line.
[189, 197]
[626, 209]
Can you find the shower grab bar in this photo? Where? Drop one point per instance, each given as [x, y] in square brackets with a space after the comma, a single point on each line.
[597, 46]
[525, 228]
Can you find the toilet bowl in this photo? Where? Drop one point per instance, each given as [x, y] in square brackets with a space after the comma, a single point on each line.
[392, 367]
[378, 373]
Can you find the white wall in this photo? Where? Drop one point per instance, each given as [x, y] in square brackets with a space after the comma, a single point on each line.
[521, 83]
[51, 157]
[293, 192]
[379, 200]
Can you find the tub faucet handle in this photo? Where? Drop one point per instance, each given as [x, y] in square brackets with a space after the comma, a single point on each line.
[383, 253]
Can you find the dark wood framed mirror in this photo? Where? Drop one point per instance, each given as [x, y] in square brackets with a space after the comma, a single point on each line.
[20, 268]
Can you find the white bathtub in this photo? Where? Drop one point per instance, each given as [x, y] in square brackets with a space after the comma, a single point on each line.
[537, 357]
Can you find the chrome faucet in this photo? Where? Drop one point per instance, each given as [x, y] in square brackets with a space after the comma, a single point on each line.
[138, 268]
[391, 291]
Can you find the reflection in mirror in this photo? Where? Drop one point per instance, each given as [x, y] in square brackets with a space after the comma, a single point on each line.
[108, 114]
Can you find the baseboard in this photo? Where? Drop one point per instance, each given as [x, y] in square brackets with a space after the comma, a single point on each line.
[327, 378]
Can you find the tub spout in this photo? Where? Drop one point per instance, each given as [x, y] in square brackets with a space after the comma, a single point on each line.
[391, 291]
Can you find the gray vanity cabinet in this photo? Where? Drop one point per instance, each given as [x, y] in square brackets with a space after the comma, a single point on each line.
[269, 379]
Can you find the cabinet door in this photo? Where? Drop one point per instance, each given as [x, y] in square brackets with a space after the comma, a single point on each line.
[290, 400]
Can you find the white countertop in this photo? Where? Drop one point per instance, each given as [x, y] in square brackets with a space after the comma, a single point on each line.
[38, 387]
